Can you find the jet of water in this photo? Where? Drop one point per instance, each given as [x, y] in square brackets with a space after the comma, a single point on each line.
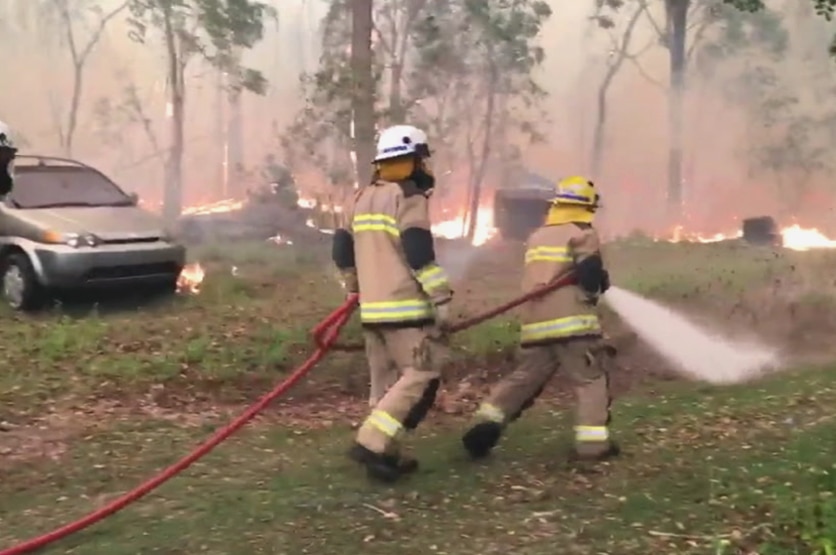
[697, 352]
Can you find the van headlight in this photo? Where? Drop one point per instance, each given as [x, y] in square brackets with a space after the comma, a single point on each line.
[74, 240]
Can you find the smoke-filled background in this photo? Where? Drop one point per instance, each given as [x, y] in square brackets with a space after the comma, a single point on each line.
[758, 107]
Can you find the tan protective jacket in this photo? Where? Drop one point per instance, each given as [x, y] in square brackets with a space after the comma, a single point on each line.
[391, 292]
[553, 251]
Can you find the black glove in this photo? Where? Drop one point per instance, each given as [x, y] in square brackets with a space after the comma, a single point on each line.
[605, 281]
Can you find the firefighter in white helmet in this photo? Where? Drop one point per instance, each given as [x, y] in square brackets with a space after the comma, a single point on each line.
[8, 151]
[385, 251]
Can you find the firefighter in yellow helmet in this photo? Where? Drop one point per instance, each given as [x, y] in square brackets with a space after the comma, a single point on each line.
[560, 331]
[8, 151]
[386, 253]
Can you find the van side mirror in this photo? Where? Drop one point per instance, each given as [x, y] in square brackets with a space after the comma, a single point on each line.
[134, 198]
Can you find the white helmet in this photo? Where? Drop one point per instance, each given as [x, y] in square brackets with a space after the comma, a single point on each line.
[6, 140]
[401, 140]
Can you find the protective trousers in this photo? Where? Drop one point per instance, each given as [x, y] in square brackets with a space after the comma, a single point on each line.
[383, 372]
[586, 361]
[406, 403]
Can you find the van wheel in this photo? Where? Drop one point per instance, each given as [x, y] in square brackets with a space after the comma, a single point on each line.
[21, 289]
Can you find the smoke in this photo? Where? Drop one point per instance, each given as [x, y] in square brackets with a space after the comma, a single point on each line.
[724, 125]
[698, 353]
[456, 258]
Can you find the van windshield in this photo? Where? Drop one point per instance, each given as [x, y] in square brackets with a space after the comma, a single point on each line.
[62, 186]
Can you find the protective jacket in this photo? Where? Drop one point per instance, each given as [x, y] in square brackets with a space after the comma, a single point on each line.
[553, 252]
[387, 238]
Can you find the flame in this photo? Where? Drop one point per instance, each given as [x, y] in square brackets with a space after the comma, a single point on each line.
[190, 278]
[798, 238]
[454, 228]
[793, 237]
[313, 203]
[279, 240]
[226, 205]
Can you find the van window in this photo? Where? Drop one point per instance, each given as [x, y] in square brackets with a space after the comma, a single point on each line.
[57, 186]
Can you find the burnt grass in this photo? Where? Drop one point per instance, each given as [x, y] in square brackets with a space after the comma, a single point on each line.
[125, 388]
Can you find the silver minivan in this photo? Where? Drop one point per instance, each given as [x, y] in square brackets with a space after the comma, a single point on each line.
[65, 225]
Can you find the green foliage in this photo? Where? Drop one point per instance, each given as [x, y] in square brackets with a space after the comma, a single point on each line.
[436, 63]
[214, 29]
[824, 8]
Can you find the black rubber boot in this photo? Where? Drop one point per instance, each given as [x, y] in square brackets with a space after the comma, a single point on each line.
[381, 467]
[611, 452]
[481, 439]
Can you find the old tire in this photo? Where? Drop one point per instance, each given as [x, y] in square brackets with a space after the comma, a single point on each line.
[21, 289]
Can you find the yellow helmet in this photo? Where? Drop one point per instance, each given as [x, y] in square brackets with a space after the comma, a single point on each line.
[576, 191]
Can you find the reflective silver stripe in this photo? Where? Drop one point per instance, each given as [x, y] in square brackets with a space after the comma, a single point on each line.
[375, 222]
[561, 327]
[384, 422]
[395, 311]
[491, 412]
[591, 433]
[432, 277]
[548, 254]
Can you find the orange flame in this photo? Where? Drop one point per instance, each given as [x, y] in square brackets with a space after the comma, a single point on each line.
[793, 237]
[190, 278]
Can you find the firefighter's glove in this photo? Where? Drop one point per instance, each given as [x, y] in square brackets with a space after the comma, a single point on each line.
[443, 317]
[350, 284]
[605, 281]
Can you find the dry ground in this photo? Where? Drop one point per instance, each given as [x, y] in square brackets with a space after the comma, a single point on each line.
[94, 398]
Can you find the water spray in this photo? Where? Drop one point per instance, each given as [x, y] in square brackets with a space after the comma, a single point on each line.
[696, 352]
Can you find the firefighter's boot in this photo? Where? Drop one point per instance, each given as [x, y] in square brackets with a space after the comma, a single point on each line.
[383, 467]
[586, 455]
[480, 439]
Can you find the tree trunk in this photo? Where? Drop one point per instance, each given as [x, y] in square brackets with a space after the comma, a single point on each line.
[222, 187]
[477, 176]
[173, 194]
[363, 94]
[677, 15]
[235, 146]
[599, 134]
[75, 100]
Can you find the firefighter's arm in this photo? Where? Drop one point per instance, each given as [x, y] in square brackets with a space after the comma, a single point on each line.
[342, 253]
[418, 244]
[592, 277]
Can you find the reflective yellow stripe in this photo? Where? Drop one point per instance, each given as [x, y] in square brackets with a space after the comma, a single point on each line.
[432, 277]
[491, 412]
[395, 311]
[561, 327]
[375, 222]
[548, 254]
[384, 422]
[591, 433]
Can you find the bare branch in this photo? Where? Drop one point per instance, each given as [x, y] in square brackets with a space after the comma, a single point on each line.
[97, 34]
[662, 33]
[643, 72]
[702, 27]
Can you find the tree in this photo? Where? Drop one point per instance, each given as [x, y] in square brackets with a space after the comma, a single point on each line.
[824, 8]
[79, 54]
[59, 23]
[363, 90]
[460, 68]
[621, 44]
[212, 30]
[690, 25]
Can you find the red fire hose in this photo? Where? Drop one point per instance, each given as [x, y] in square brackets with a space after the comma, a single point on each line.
[336, 321]
[459, 326]
[325, 336]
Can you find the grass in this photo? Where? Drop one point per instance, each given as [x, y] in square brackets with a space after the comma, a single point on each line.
[105, 397]
[706, 471]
